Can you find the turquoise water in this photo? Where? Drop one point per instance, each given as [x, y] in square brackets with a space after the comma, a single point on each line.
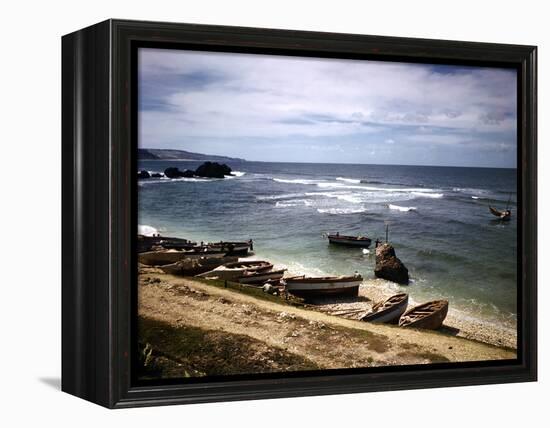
[438, 221]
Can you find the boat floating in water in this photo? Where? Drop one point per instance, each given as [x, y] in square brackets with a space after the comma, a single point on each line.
[388, 311]
[323, 286]
[429, 315]
[505, 215]
[348, 240]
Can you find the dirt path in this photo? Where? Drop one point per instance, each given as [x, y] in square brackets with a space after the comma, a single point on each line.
[328, 341]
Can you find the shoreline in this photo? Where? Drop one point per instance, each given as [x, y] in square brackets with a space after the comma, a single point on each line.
[266, 333]
[457, 323]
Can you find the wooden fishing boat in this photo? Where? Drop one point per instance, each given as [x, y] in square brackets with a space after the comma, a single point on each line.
[233, 248]
[251, 265]
[236, 270]
[146, 243]
[388, 311]
[429, 315]
[194, 267]
[503, 215]
[348, 240]
[261, 277]
[164, 257]
[324, 286]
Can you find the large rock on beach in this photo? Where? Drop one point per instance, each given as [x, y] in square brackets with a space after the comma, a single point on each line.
[144, 174]
[388, 266]
[213, 170]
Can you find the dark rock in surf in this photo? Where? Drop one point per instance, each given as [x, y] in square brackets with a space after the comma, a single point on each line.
[187, 173]
[144, 174]
[156, 175]
[213, 170]
[174, 172]
[388, 266]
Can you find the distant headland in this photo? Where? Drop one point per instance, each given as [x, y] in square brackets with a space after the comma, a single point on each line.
[170, 154]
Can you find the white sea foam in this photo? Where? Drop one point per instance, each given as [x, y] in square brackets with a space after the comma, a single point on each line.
[354, 198]
[349, 180]
[238, 173]
[399, 208]
[291, 203]
[475, 197]
[295, 181]
[336, 211]
[146, 230]
[428, 195]
[283, 196]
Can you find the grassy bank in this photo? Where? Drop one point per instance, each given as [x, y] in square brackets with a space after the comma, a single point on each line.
[167, 351]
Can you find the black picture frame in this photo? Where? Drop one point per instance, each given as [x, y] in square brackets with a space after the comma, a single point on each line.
[99, 211]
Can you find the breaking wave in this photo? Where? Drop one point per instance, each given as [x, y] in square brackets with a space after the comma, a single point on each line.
[400, 208]
[146, 230]
[349, 180]
[336, 211]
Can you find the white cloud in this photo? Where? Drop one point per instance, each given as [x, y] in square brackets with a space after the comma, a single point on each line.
[284, 97]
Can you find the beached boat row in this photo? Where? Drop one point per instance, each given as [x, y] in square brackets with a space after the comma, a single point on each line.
[178, 256]
[429, 315]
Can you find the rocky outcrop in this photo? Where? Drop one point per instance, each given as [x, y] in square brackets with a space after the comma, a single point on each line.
[206, 170]
[174, 172]
[213, 170]
[388, 266]
[156, 175]
[144, 174]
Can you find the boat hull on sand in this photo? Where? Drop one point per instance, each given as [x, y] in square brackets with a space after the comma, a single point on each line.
[388, 311]
[231, 271]
[159, 258]
[349, 241]
[194, 267]
[324, 286]
[429, 315]
[261, 277]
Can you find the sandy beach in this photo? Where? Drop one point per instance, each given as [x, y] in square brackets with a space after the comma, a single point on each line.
[268, 334]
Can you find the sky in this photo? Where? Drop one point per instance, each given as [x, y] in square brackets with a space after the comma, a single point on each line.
[295, 109]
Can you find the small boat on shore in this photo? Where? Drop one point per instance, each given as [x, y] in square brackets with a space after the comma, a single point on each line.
[235, 270]
[388, 311]
[164, 257]
[505, 215]
[261, 277]
[429, 315]
[146, 243]
[194, 267]
[348, 240]
[323, 286]
[233, 248]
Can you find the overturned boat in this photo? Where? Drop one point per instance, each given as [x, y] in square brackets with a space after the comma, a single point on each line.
[348, 240]
[388, 311]
[194, 267]
[429, 315]
[504, 215]
[324, 286]
[261, 277]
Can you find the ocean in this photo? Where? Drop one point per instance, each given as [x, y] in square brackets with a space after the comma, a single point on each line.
[437, 217]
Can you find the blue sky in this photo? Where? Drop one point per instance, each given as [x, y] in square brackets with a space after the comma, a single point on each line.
[291, 109]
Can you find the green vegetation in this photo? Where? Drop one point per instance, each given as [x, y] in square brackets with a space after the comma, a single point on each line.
[256, 292]
[186, 351]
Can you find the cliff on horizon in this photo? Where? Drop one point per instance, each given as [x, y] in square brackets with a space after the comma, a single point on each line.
[169, 154]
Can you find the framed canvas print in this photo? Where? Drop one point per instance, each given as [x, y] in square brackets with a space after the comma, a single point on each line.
[253, 213]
